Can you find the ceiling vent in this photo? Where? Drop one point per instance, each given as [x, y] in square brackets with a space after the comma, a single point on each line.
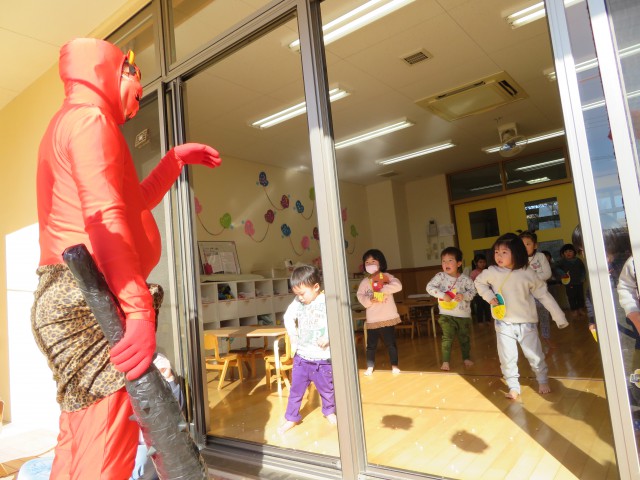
[417, 57]
[388, 174]
[477, 97]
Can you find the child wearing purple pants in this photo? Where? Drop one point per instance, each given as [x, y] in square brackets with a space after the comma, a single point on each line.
[310, 344]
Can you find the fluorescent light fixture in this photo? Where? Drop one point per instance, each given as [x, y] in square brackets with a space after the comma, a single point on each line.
[600, 103]
[537, 138]
[538, 166]
[532, 13]
[399, 125]
[355, 19]
[589, 64]
[485, 187]
[417, 153]
[538, 180]
[295, 110]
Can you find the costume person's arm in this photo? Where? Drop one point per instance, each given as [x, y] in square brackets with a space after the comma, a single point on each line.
[98, 169]
[160, 179]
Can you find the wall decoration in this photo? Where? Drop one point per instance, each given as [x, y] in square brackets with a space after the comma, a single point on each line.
[250, 230]
[300, 206]
[286, 233]
[354, 234]
[225, 220]
[263, 182]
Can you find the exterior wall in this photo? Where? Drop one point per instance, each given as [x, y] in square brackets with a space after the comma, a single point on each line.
[22, 124]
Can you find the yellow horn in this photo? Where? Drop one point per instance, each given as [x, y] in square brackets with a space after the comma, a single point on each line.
[131, 57]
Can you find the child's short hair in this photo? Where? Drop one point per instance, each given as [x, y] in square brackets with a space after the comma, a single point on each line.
[305, 275]
[529, 234]
[566, 247]
[376, 255]
[454, 252]
[514, 243]
[479, 256]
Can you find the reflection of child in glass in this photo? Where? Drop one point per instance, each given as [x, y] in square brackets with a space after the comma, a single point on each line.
[540, 265]
[479, 306]
[375, 293]
[517, 286]
[310, 343]
[572, 273]
[454, 291]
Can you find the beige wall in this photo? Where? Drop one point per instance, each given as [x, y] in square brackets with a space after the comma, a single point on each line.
[427, 199]
[234, 190]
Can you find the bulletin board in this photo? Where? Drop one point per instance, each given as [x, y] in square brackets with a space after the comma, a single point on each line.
[218, 257]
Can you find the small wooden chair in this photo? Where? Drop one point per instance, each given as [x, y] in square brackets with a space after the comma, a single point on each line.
[286, 362]
[249, 354]
[406, 321]
[220, 362]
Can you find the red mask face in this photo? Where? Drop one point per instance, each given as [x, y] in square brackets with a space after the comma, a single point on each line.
[130, 88]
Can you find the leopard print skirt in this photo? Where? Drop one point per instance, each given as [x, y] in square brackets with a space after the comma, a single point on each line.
[67, 333]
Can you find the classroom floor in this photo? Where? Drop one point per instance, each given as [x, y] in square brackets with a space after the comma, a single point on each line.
[455, 424]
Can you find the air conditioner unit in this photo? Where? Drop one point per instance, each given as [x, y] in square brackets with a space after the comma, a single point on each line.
[477, 97]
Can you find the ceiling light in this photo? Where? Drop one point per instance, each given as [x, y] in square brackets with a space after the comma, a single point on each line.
[484, 187]
[537, 180]
[532, 13]
[374, 133]
[295, 110]
[600, 103]
[538, 166]
[537, 138]
[417, 153]
[589, 64]
[355, 19]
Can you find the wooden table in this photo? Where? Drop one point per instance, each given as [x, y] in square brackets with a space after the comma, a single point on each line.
[431, 303]
[254, 331]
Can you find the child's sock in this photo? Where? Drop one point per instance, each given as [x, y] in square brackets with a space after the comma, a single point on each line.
[468, 363]
[332, 419]
[445, 366]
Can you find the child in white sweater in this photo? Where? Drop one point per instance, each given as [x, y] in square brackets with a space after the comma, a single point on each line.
[454, 291]
[510, 287]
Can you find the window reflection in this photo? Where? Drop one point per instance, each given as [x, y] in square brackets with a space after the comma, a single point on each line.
[196, 22]
[612, 209]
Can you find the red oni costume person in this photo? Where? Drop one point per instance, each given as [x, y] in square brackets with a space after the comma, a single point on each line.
[88, 192]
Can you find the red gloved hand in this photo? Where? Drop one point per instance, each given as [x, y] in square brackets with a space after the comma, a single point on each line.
[196, 154]
[134, 353]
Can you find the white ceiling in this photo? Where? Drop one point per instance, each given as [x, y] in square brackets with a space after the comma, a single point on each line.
[32, 32]
[468, 40]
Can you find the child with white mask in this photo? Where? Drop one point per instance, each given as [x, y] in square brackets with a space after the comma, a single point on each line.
[375, 293]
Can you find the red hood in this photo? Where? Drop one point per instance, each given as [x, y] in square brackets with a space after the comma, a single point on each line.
[91, 71]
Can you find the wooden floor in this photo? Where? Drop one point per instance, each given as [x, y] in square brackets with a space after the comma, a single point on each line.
[456, 424]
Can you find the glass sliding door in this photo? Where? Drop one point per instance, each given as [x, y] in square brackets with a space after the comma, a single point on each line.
[599, 87]
[255, 217]
[419, 75]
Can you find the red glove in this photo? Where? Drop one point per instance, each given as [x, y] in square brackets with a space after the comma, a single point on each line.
[134, 353]
[196, 154]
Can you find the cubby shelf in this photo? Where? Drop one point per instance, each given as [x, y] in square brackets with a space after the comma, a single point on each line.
[244, 302]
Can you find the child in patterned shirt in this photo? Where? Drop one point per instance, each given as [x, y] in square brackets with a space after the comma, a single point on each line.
[306, 324]
[454, 291]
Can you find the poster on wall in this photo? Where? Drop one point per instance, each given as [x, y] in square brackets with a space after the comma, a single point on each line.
[218, 257]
